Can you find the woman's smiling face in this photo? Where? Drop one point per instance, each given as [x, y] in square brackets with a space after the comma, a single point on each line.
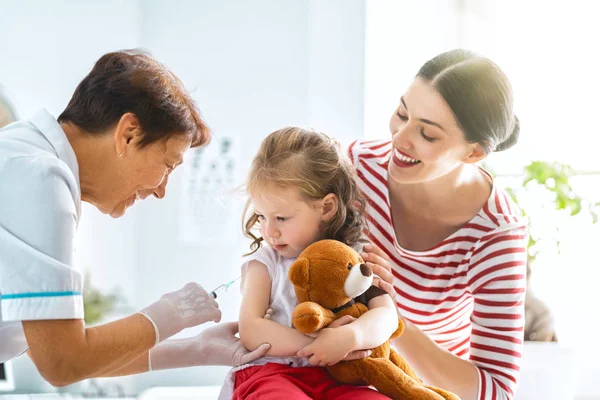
[427, 141]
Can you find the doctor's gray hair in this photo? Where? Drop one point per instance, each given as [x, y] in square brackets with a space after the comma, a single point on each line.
[479, 94]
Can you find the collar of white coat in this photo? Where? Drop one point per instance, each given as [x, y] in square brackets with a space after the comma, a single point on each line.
[50, 128]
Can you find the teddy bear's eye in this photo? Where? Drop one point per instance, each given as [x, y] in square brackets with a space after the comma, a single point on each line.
[349, 266]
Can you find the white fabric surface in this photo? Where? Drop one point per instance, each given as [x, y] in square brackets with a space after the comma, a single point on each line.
[40, 203]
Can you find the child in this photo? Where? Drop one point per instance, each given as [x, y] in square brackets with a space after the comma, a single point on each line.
[302, 189]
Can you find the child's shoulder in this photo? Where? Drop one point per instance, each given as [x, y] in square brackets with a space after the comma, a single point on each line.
[265, 254]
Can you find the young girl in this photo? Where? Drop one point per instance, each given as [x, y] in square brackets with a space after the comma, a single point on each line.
[302, 189]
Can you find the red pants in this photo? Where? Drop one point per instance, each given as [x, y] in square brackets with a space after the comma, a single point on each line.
[278, 381]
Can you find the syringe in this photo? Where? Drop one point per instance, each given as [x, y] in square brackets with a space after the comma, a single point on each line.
[222, 288]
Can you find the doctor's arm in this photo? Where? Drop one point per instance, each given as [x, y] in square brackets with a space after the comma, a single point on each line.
[65, 351]
[77, 357]
[216, 345]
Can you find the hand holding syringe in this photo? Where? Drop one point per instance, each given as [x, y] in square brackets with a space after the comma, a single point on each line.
[222, 288]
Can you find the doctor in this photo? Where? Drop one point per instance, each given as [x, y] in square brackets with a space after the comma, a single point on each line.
[125, 129]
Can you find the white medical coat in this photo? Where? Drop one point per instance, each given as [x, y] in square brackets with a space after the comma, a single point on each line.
[40, 203]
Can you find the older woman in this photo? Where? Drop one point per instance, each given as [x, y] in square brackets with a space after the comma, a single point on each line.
[125, 129]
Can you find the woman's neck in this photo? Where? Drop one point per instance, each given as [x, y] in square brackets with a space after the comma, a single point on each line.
[459, 192]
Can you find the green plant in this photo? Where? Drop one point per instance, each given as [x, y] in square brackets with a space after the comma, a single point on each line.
[96, 304]
[545, 189]
[553, 180]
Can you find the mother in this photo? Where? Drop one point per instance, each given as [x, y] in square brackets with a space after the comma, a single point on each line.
[449, 244]
[124, 131]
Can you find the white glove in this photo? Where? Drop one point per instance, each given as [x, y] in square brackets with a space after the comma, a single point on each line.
[216, 345]
[184, 308]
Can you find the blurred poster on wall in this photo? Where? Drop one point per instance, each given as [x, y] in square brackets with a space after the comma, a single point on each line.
[210, 200]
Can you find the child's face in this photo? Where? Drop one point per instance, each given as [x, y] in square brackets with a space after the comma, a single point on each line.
[288, 222]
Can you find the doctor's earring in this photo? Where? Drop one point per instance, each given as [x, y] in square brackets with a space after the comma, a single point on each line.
[121, 153]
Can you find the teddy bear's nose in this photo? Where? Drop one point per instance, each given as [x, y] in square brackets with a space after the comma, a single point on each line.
[365, 270]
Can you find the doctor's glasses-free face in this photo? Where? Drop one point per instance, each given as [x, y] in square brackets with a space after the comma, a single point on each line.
[145, 174]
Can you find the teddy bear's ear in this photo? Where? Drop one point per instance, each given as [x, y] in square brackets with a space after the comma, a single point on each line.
[299, 272]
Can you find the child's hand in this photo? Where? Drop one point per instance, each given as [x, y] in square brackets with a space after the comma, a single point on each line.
[269, 314]
[331, 346]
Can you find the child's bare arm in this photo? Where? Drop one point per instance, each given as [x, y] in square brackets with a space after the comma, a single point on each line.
[377, 325]
[254, 328]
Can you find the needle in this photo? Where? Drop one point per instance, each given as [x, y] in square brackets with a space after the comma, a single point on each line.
[223, 288]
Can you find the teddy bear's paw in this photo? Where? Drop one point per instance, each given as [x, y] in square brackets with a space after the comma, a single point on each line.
[307, 323]
[309, 317]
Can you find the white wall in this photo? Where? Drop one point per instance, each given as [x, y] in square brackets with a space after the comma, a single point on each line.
[336, 65]
[400, 36]
[46, 48]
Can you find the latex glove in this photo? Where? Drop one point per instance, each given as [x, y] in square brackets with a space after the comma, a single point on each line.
[184, 308]
[216, 345]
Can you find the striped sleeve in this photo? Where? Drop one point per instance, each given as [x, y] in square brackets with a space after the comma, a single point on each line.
[370, 149]
[497, 280]
[353, 152]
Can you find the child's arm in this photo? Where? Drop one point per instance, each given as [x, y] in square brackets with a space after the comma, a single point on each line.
[377, 325]
[370, 330]
[254, 328]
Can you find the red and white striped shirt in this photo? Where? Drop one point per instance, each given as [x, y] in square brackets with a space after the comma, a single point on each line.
[467, 293]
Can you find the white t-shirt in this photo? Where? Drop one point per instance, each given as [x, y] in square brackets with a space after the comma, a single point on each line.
[40, 202]
[283, 298]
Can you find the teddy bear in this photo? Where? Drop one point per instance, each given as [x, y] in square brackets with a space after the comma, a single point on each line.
[327, 277]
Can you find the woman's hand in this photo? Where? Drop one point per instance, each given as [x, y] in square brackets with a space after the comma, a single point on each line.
[379, 261]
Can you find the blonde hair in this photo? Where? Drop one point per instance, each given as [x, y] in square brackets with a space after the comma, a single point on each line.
[313, 163]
